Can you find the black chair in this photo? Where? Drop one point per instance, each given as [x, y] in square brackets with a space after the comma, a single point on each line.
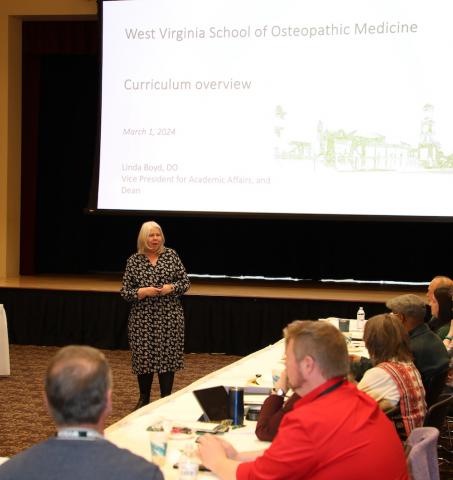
[437, 417]
[437, 413]
[434, 387]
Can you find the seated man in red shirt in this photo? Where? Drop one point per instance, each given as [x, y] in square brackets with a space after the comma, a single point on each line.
[333, 431]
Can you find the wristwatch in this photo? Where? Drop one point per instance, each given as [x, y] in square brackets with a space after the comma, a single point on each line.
[279, 391]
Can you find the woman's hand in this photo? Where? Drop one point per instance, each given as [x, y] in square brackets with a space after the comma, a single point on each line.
[148, 292]
[167, 288]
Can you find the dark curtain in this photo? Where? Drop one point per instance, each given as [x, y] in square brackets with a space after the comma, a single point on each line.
[236, 326]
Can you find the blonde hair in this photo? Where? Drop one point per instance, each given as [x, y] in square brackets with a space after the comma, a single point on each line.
[321, 341]
[442, 281]
[143, 237]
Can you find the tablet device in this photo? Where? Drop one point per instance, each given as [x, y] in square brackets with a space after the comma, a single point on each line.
[214, 403]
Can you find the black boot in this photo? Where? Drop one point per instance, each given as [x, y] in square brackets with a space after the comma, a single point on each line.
[142, 401]
[166, 383]
[145, 381]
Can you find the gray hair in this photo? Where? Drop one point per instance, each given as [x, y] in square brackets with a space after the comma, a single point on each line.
[77, 381]
[411, 306]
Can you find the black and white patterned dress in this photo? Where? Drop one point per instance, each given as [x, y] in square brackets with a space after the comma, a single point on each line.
[156, 324]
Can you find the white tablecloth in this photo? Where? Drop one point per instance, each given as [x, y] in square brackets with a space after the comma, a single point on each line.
[4, 344]
[182, 407]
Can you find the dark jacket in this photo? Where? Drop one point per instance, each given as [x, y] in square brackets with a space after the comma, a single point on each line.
[430, 354]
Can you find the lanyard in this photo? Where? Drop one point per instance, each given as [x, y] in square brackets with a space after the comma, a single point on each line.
[78, 434]
[331, 388]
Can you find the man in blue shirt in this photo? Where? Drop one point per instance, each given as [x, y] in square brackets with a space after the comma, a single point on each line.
[79, 398]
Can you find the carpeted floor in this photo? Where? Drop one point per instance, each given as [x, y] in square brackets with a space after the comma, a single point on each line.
[23, 417]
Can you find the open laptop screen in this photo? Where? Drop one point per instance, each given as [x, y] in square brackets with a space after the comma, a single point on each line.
[214, 402]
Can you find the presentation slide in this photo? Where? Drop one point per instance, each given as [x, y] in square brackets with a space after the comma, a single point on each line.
[277, 106]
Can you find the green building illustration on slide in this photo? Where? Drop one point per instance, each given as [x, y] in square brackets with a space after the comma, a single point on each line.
[351, 151]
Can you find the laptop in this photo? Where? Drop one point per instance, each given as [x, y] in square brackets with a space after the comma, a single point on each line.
[214, 401]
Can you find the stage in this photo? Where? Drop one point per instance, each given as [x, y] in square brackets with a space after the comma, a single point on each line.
[231, 316]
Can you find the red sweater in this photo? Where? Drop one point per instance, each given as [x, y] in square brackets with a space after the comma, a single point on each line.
[338, 435]
[271, 414]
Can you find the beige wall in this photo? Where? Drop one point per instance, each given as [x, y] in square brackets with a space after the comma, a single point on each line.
[11, 14]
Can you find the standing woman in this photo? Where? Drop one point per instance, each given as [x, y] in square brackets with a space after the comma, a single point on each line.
[153, 282]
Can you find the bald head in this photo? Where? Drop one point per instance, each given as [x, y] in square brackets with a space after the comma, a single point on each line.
[78, 380]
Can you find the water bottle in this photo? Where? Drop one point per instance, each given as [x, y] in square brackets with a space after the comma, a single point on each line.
[360, 318]
[188, 465]
[236, 405]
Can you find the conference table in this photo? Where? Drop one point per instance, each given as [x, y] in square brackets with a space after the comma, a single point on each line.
[182, 409]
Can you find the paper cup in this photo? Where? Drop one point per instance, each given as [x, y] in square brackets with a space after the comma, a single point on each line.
[158, 444]
[343, 324]
[177, 444]
[276, 374]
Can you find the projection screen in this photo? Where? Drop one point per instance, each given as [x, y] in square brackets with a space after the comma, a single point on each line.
[338, 107]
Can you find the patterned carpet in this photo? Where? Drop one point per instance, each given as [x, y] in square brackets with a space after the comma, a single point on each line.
[23, 417]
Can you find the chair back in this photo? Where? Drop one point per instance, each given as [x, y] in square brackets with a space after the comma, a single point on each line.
[434, 387]
[435, 417]
[422, 456]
